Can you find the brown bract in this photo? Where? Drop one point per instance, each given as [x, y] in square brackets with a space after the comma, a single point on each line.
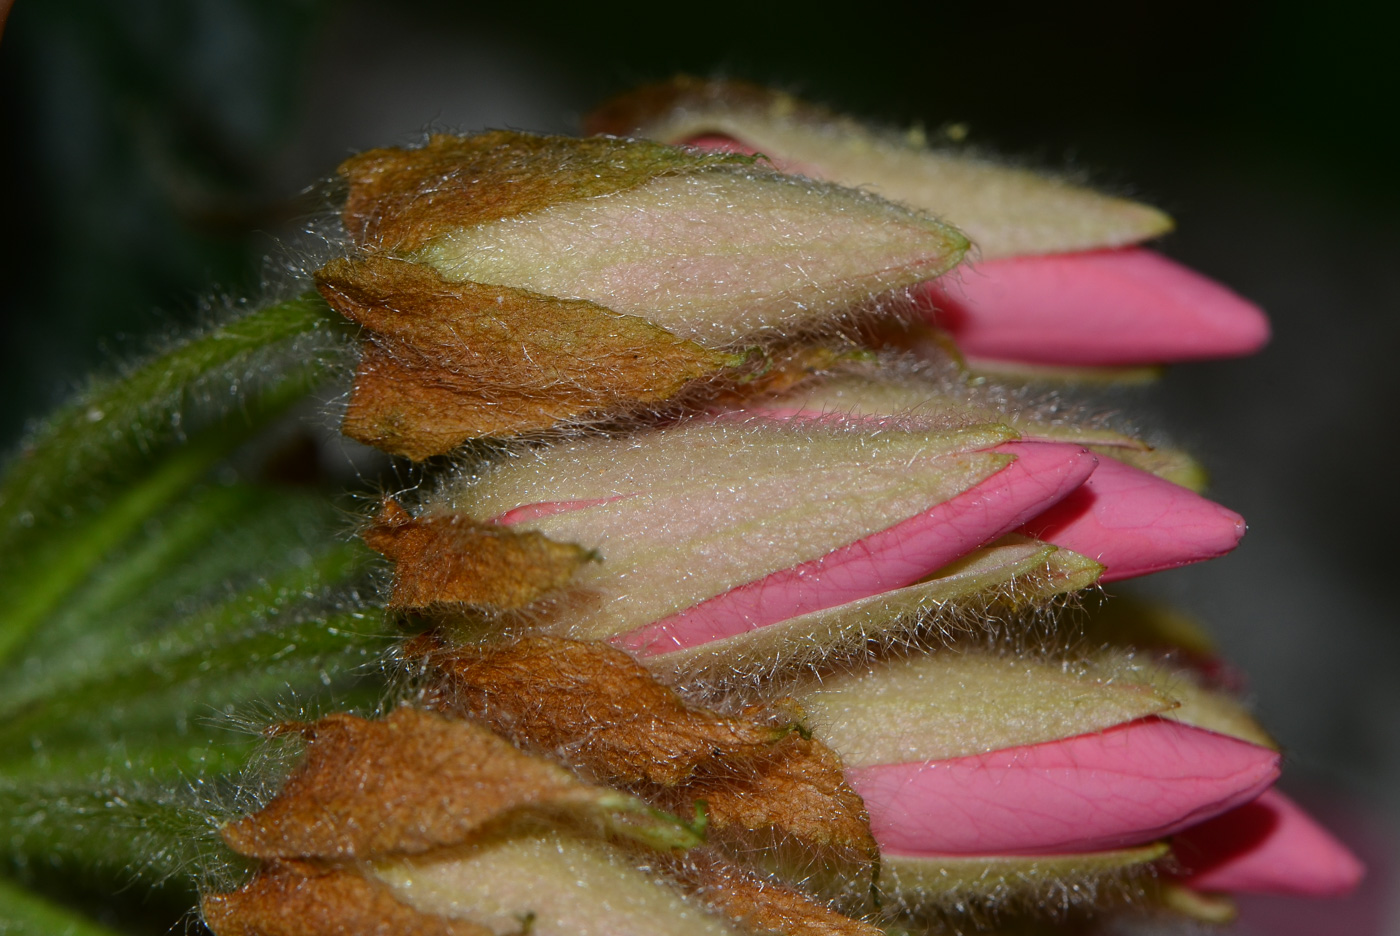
[295, 898]
[797, 791]
[402, 785]
[592, 705]
[627, 113]
[598, 709]
[452, 559]
[451, 361]
[400, 199]
[761, 904]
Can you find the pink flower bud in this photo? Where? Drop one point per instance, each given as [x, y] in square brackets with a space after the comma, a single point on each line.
[1042, 475]
[971, 754]
[1267, 846]
[1053, 286]
[710, 530]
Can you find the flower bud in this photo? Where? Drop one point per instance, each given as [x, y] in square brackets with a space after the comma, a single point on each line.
[969, 755]
[1011, 574]
[560, 883]
[893, 389]
[415, 782]
[1054, 284]
[760, 776]
[448, 362]
[1269, 845]
[1099, 308]
[1007, 212]
[515, 281]
[711, 529]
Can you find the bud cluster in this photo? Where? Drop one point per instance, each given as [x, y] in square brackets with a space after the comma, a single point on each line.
[746, 582]
[742, 568]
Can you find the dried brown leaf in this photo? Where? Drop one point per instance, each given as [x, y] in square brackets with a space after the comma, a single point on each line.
[297, 898]
[601, 710]
[456, 361]
[759, 903]
[400, 199]
[450, 558]
[797, 792]
[595, 706]
[405, 405]
[401, 785]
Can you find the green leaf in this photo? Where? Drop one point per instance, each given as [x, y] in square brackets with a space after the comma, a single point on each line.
[221, 561]
[134, 712]
[23, 913]
[155, 831]
[92, 475]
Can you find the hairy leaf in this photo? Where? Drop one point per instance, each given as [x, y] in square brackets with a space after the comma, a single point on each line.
[94, 472]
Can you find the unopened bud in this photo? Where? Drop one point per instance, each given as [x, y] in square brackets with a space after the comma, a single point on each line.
[712, 529]
[1006, 211]
[513, 282]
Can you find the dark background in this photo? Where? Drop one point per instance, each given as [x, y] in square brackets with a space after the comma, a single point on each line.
[155, 148]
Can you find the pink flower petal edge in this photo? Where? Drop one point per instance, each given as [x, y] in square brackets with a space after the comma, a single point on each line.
[1126, 786]
[1103, 307]
[1133, 523]
[1128, 520]
[1042, 475]
[1268, 846]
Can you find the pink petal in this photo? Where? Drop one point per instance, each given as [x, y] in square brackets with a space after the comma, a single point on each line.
[549, 508]
[1108, 307]
[1134, 523]
[1269, 846]
[1121, 787]
[1042, 475]
[718, 143]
